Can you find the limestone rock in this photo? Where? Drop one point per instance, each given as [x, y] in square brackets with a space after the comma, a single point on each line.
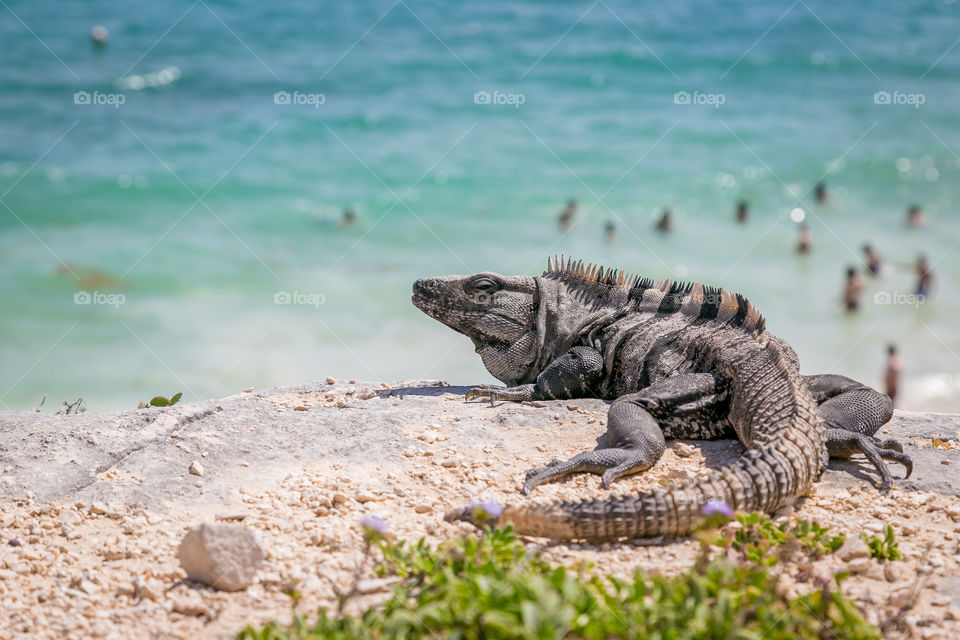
[683, 449]
[190, 604]
[852, 549]
[859, 565]
[68, 516]
[224, 556]
[149, 589]
[893, 572]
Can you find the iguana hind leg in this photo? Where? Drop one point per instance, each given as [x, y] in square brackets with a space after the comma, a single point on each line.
[853, 413]
[634, 440]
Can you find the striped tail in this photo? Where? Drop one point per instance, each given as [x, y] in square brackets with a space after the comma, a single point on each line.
[761, 480]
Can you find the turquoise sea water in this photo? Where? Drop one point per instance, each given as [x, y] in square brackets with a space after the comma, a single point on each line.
[204, 198]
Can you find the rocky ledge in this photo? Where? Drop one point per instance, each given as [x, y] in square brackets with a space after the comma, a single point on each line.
[94, 506]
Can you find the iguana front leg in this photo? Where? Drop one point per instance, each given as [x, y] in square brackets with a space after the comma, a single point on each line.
[853, 413]
[572, 375]
[634, 440]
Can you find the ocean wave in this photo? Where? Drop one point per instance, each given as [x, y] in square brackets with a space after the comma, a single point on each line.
[161, 78]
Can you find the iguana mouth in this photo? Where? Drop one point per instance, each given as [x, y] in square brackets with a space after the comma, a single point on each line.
[434, 307]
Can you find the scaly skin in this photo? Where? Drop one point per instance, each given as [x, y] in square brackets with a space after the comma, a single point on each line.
[677, 361]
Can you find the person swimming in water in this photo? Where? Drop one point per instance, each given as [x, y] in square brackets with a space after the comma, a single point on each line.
[804, 239]
[99, 36]
[665, 223]
[873, 260]
[349, 217]
[915, 217]
[820, 193]
[924, 278]
[742, 211]
[610, 232]
[852, 290]
[568, 215]
[891, 376]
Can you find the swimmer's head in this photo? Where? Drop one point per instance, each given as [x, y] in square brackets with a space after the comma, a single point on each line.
[99, 35]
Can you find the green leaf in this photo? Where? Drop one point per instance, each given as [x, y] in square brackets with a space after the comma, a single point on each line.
[160, 401]
[176, 398]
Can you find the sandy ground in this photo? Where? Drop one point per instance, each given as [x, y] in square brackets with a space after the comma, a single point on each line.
[71, 568]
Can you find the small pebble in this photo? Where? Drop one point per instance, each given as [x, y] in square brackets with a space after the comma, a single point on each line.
[683, 449]
[853, 549]
[892, 572]
[859, 565]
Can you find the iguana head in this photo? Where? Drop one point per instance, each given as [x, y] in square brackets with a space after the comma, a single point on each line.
[498, 313]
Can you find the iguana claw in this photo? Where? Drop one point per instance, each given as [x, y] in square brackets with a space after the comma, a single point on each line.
[482, 391]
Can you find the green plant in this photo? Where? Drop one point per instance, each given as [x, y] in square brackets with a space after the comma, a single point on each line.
[764, 543]
[885, 548]
[160, 401]
[489, 586]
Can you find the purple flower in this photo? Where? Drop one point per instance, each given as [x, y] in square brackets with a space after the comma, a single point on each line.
[487, 509]
[374, 524]
[717, 506]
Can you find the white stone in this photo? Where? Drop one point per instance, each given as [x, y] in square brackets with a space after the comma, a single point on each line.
[149, 589]
[224, 556]
[683, 449]
[859, 565]
[196, 468]
[69, 516]
[892, 571]
[852, 549]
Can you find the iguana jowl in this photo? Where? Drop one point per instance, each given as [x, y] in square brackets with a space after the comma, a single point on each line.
[678, 361]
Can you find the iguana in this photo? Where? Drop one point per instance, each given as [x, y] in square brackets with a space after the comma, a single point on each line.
[677, 361]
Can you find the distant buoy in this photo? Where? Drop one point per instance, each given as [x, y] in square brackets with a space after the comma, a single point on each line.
[99, 35]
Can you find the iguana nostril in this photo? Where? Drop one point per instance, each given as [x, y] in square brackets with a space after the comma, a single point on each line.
[425, 285]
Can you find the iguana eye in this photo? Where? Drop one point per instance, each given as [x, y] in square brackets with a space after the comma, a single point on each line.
[485, 284]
